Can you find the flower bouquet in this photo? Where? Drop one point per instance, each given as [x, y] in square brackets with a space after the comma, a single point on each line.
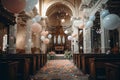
[51, 55]
[68, 54]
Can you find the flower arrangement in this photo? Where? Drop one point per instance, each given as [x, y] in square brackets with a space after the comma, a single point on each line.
[68, 54]
[51, 55]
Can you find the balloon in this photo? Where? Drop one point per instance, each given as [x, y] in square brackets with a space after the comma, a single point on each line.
[77, 23]
[34, 20]
[92, 18]
[36, 27]
[81, 26]
[70, 37]
[104, 13]
[30, 4]
[111, 22]
[16, 6]
[49, 36]
[37, 18]
[66, 31]
[44, 33]
[74, 35]
[89, 24]
[46, 41]
[42, 38]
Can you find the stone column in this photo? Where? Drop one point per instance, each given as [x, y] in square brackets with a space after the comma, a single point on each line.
[87, 40]
[105, 42]
[119, 38]
[12, 39]
[76, 42]
[28, 40]
[37, 43]
[43, 46]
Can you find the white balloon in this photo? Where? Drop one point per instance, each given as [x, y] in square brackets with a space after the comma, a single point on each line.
[30, 4]
[111, 22]
[92, 18]
[49, 36]
[70, 37]
[89, 24]
[34, 20]
[104, 13]
[42, 38]
[66, 31]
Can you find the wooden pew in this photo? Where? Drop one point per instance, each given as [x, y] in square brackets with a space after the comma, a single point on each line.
[85, 60]
[76, 60]
[38, 61]
[8, 70]
[112, 71]
[43, 59]
[23, 66]
[32, 58]
[97, 67]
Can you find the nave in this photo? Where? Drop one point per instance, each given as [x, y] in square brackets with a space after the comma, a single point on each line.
[62, 69]
[40, 67]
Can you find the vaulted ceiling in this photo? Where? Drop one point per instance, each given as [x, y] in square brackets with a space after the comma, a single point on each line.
[57, 12]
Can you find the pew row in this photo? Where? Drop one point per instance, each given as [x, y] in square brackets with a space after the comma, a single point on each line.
[112, 71]
[97, 67]
[22, 67]
[29, 64]
[84, 60]
[8, 70]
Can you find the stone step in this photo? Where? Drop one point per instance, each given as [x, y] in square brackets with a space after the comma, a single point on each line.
[59, 56]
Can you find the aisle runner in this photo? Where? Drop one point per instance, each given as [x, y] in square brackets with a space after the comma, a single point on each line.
[60, 70]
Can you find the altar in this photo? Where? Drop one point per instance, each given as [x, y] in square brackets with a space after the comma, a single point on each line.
[59, 49]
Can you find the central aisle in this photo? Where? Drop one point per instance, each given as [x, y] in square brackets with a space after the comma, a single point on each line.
[60, 70]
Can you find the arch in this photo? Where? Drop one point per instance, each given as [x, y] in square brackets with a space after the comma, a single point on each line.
[46, 7]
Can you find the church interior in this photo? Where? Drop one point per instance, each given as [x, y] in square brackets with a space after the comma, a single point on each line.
[60, 40]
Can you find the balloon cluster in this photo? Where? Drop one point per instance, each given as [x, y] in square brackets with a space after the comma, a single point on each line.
[44, 38]
[110, 21]
[44, 33]
[89, 23]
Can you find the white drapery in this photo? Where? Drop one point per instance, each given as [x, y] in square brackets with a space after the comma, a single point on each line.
[63, 39]
[54, 39]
